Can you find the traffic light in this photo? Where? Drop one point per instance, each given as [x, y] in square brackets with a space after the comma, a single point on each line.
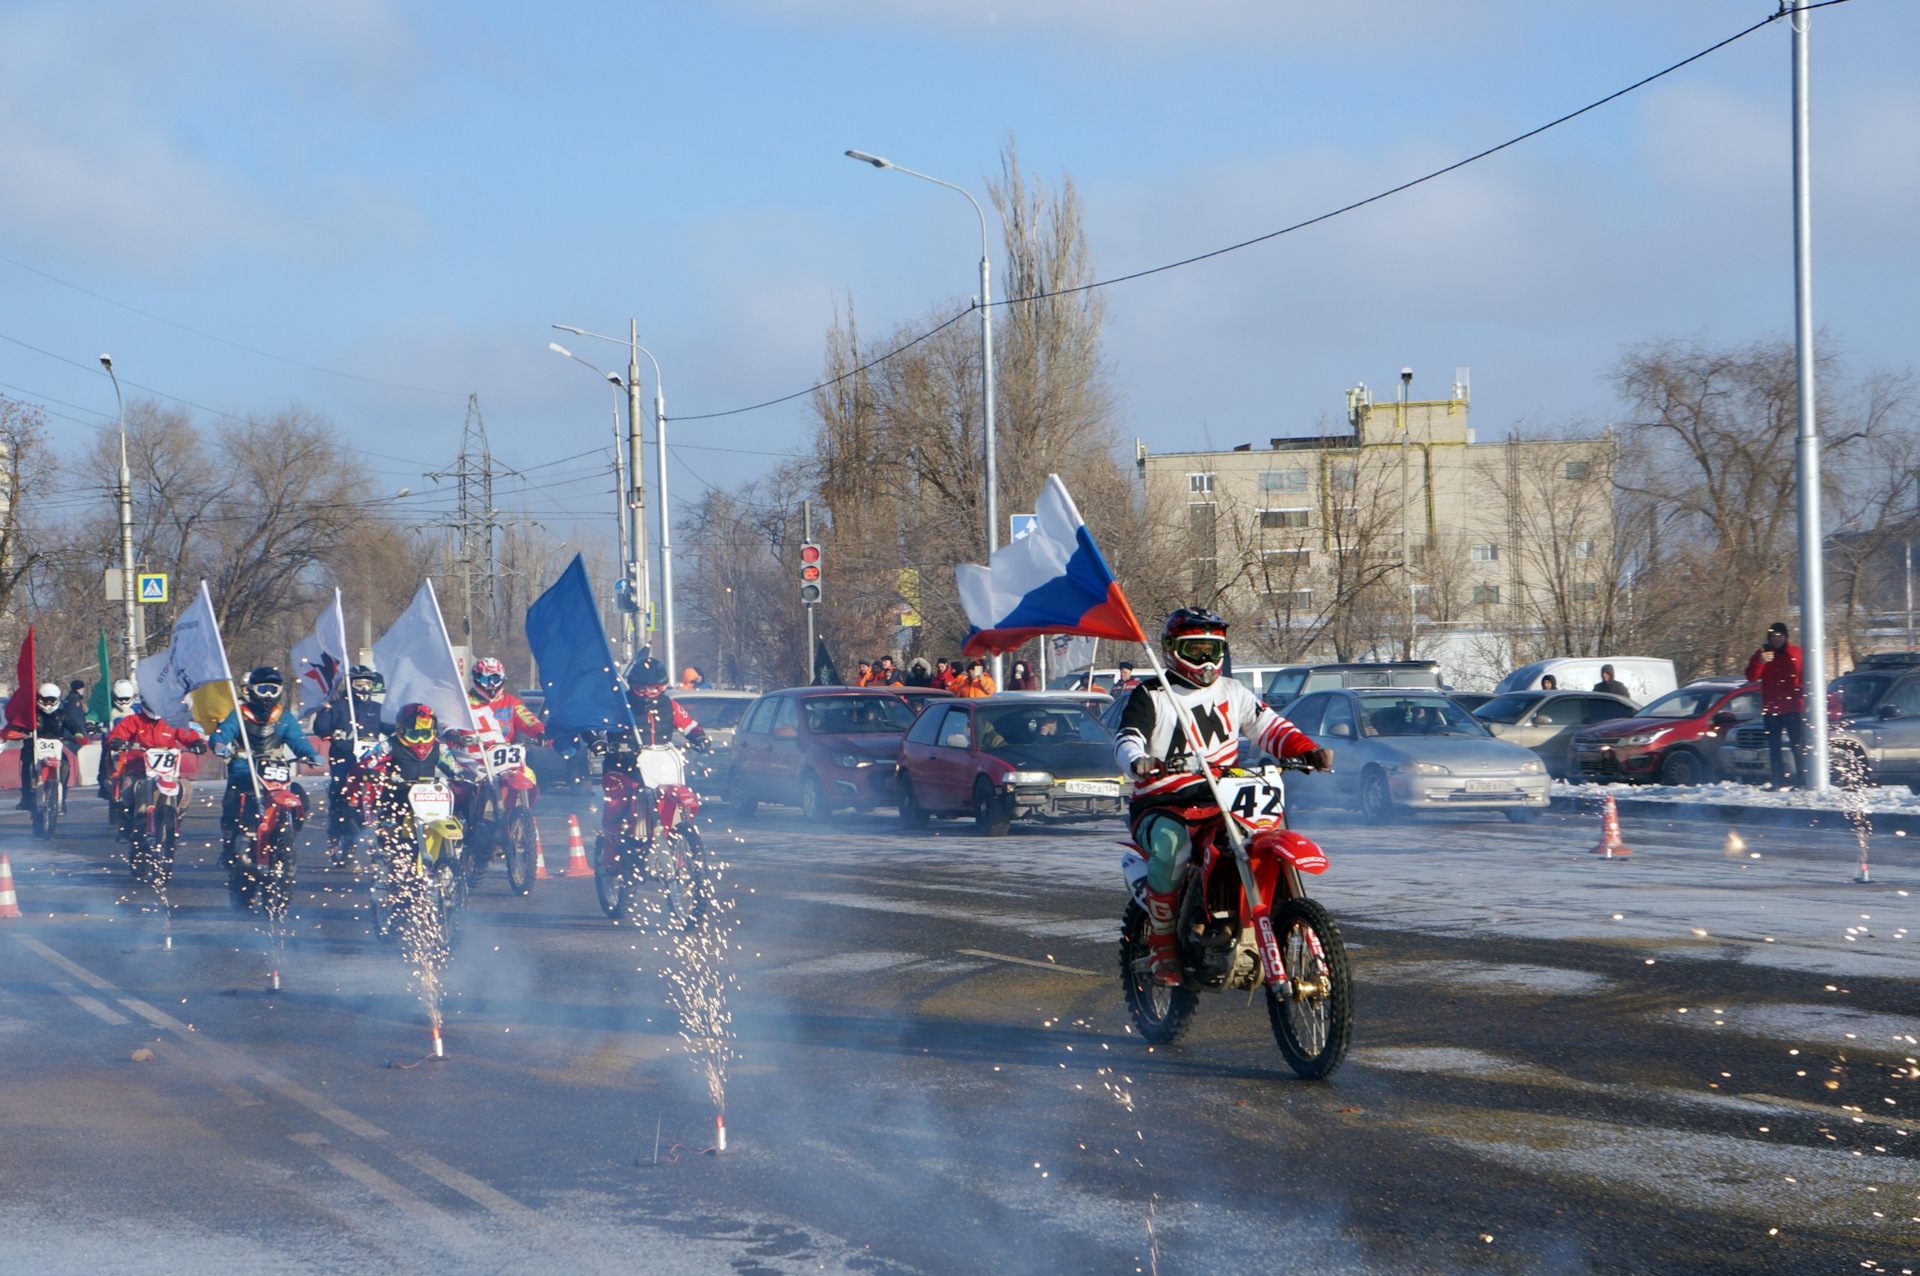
[810, 574]
[623, 596]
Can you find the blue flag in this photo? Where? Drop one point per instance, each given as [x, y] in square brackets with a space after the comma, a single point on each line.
[577, 668]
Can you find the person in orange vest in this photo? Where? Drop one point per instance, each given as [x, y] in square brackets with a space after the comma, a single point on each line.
[865, 674]
[885, 675]
[975, 683]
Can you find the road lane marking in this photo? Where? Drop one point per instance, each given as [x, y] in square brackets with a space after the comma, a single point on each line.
[1023, 961]
[98, 1009]
[212, 1072]
[470, 1187]
[78, 971]
[380, 1185]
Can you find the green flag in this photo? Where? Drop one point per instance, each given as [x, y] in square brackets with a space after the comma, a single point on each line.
[100, 703]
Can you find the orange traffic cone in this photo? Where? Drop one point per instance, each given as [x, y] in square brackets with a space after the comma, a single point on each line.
[577, 865]
[540, 873]
[9, 902]
[1610, 844]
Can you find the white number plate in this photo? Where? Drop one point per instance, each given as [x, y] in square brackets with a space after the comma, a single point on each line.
[46, 750]
[431, 801]
[660, 765]
[505, 755]
[1092, 788]
[1489, 786]
[1255, 799]
[276, 772]
[163, 761]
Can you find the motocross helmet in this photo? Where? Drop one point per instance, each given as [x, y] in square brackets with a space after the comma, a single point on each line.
[646, 677]
[122, 691]
[365, 683]
[1195, 644]
[489, 677]
[47, 697]
[264, 685]
[415, 730]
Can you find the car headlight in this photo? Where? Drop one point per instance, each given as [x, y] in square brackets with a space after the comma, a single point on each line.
[852, 760]
[1030, 777]
[1532, 766]
[1422, 768]
[1643, 737]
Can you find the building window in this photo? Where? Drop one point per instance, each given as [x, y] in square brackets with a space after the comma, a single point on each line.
[1344, 477]
[1289, 599]
[1283, 481]
[1583, 549]
[1488, 553]
[1485, 594]
[1286, 560]
[1584, 591]
[1200, 484]
[1578, 469]
[1283, 518]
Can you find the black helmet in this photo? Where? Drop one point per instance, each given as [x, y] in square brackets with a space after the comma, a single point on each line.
[264, 686]
[1194, 641]
[646, 672]
[376, 685]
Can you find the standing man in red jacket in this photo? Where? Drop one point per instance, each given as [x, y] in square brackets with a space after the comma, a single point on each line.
[1776, 667]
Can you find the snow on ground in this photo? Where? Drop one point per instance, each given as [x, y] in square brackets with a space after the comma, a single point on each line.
[1874, 800]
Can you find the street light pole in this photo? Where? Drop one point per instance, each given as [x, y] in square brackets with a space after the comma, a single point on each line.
[986, 357]
[619, 482]
[666, 514]
[642, 593]
[136, 640]
[1406, 560]
[1813, 593]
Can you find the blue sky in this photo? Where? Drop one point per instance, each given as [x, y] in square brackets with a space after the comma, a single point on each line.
[412, 194]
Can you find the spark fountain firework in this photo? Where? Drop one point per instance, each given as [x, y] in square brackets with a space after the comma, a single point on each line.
[698, 982]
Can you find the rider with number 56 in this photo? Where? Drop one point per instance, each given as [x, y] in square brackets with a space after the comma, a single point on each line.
[269, 728]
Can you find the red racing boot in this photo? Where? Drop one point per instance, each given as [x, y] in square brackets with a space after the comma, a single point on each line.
[1163, 953]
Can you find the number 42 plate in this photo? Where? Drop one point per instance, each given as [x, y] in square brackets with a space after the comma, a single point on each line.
[1255, 799]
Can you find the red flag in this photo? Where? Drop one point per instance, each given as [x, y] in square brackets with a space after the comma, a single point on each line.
[21, 713]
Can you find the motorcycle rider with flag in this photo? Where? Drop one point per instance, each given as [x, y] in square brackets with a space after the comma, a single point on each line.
[1168, 787]
[268, 726]
[656, 716]
[52, 722]
[354, 710]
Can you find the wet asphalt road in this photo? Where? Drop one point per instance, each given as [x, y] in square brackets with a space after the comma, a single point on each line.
[934, 1071]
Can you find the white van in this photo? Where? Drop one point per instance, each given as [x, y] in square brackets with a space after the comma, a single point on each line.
[1646, 677]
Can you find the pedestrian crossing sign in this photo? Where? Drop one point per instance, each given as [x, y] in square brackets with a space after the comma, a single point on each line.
[153, 587]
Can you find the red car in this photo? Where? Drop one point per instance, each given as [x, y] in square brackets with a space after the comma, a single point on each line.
[1674, 740]
[822, 748]
[1015, 756]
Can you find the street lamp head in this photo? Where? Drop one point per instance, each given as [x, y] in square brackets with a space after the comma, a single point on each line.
[615, 378]
[405, 491]
[1406, 374]
[576, 331]
[874, 160]
[106, 361]
[559, 349]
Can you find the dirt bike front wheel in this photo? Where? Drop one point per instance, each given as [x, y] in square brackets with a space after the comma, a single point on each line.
[1312, 1013]
[607, 883]
[518, 851]
[1160, 1013]
[46, 808]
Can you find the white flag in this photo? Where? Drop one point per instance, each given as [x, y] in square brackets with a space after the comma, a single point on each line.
[1067, 653]
[416, 658]
[320, 659]
[194, 657]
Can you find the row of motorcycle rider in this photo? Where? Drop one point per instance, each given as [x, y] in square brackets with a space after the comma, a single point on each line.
[367, 761]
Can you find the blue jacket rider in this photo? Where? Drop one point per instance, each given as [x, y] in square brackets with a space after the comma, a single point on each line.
[268, 727]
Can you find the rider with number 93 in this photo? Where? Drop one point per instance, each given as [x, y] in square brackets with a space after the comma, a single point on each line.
[1168, 789]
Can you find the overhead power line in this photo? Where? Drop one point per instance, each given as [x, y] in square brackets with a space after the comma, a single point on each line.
[1329, 215]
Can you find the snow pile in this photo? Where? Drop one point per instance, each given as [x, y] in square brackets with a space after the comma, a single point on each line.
[1873, 799]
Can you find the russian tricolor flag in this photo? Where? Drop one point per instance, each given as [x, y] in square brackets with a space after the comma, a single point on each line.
[1050, 581]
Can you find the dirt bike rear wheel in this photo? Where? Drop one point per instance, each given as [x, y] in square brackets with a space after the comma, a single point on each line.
[1160, 1014]
[1313, 1019]
[517, 849]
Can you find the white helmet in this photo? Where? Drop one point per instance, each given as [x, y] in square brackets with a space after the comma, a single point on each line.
[49, 696]
[122, 693]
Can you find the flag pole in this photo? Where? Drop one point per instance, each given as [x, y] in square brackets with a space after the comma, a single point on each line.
[353, 718]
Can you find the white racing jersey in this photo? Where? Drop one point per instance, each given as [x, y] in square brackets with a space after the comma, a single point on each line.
[1150, 728]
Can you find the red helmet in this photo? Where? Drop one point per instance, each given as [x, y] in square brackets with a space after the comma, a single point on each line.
[415, 730]
[1194, 642]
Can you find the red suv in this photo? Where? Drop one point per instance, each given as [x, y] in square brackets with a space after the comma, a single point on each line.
[821, 748]
[1674, 740]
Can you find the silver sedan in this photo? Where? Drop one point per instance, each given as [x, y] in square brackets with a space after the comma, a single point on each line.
[1400, 750]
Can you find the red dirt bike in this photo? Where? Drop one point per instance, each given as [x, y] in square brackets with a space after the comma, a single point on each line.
[47, 773]
[1288, 945]
[649, 864]
[260, 853]
[497, 801]
[148, 795]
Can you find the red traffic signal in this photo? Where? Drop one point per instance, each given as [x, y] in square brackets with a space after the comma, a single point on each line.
[810, 554]
[810, 574]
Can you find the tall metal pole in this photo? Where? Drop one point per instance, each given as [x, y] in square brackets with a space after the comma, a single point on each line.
[637, 493]
[806, 534]
[666, 515]
[620, 513]
[1813, 591]
[1406, 560]
[135, 639]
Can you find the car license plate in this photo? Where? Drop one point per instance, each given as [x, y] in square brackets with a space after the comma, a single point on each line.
[1092, 788]
[1489, 786]
[1745, 755]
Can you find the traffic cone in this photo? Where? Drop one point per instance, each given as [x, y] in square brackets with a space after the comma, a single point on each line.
[577, 865]
[9, 902]
[540, 873]
[1610, 844]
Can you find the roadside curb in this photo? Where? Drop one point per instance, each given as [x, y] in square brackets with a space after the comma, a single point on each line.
[1727, 813]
